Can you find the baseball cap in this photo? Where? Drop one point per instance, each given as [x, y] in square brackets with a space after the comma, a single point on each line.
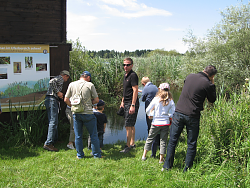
[65, 72]
[86, 73]
[164, 86]
[101, 103]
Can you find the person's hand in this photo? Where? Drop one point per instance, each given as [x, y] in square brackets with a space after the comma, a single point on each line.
[122, 104]
[212, 79]
[60, 95]
[131, 110]
[150, 117]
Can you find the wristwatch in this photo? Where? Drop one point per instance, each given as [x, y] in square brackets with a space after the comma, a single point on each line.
[132, 105]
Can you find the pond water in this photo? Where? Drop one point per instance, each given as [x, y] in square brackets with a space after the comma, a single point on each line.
[115, 129]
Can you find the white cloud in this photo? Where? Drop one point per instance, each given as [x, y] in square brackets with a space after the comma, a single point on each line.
[172, 29]
[80, 26]
[144, 11]
[131, 9]
[98, 34]
[124, 3]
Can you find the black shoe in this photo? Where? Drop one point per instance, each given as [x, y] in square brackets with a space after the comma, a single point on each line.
[125, 150]
[134, 146]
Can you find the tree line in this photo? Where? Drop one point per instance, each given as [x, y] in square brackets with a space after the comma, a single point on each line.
[136, 53]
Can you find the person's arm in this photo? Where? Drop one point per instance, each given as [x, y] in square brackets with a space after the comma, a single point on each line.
[144, 95]
[150, 107]
[211, 92]
[56, 84]
[122, 103]
[104, 126]
[95, 100]
[67, 101]
[135, 94]
[172, 109]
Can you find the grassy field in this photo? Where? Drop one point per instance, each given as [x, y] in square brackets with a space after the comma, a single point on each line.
[36, 167]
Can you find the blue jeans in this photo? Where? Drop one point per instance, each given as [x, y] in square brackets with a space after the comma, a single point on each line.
[192, 127]
[89, 120]
[52, 105]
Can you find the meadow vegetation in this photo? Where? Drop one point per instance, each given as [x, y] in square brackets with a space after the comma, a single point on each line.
[223, 151]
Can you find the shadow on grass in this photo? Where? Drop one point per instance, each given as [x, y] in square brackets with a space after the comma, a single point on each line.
[112, 151]
[18, 152]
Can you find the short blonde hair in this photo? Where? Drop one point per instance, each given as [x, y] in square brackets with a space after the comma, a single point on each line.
[145, 80]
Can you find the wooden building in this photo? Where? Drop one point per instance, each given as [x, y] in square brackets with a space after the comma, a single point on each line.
[37, 22]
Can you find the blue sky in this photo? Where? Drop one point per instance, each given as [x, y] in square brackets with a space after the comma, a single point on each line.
[141, 24]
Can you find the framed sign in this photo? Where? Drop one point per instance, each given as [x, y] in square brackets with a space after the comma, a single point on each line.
[24, 75]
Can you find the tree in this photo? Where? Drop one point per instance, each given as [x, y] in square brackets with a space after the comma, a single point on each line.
[227, 46]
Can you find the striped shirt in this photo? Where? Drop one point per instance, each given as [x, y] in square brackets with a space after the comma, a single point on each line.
[55, 85]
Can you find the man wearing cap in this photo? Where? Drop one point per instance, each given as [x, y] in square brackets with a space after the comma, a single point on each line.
[87, 118]
[130, 102]
[54, 94]
[197, 87]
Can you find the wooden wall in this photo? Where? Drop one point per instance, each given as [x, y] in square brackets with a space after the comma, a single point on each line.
[37, 22]
[33, 21]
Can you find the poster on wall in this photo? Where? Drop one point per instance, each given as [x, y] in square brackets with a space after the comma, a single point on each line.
[24, 76]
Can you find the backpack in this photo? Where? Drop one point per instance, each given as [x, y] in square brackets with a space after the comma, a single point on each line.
[77, 105]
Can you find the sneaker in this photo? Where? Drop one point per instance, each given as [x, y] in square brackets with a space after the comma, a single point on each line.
[160, 162]
[143, 158]
[50, 148]
[125, 150]
[164, 169]
[71, 146]
[133, 146]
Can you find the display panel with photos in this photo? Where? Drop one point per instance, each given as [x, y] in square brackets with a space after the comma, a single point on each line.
[24, 74]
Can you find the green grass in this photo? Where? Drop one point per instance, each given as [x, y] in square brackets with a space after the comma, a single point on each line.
[222, 159]
[36, 167]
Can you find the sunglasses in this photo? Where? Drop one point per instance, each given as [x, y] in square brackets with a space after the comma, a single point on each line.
[126, 65]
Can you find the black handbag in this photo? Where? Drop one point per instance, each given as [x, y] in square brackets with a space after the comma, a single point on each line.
[120, 112]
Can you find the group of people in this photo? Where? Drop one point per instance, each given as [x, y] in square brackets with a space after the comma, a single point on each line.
[162, 116]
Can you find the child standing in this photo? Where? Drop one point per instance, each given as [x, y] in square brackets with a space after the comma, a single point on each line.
[101, 122]
[162, 109]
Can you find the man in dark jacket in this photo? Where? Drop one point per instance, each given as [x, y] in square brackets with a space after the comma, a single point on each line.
[148, 93]
[197, 87]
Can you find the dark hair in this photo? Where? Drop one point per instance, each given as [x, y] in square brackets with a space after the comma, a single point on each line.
[128, 59]
[84, 75]
[100, 107]
[210, 70]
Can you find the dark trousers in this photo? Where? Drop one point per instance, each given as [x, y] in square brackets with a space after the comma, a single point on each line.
[192, 127]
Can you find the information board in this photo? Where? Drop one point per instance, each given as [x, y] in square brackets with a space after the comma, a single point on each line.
[24, 75]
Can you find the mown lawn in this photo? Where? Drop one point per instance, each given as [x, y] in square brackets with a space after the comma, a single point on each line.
[36, 167]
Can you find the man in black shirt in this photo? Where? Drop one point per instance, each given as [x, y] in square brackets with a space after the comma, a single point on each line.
[130, 102]
[197, 87]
